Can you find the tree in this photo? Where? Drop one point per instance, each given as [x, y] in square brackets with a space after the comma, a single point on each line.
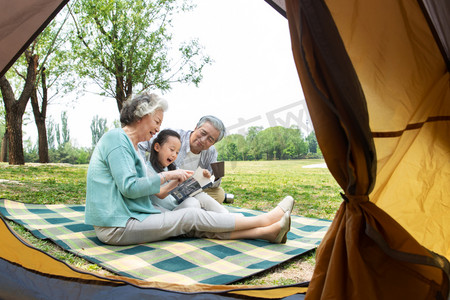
[53, 74]
[312, 142]
[58, 136]
[51, 136]
[296, 146]
[30, 151]
[253, 149]
[15, 106]
[271, 142]
[122, 45]
[3, 136]
[232, 147]
[232, 151]
[32, 74]
[61, 134]
[65, 134]
[98, 128]
[253, 132]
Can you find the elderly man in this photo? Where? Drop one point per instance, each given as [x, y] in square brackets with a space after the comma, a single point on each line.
[197, 150]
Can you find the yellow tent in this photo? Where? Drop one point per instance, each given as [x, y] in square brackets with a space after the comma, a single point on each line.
[376, 80]
[375, 75]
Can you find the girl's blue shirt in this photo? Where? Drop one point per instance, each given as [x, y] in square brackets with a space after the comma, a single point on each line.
[168, 202]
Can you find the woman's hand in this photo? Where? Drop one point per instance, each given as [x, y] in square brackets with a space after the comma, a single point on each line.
[179, 175]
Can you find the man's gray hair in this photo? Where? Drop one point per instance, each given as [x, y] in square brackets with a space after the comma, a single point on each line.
[139, 106]
[216, 122]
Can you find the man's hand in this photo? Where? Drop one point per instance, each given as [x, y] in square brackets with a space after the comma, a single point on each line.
[206, 173]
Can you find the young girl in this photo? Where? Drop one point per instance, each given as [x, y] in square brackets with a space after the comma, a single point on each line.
[164, 151]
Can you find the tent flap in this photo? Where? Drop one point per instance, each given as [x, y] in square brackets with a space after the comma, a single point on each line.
[355, 261]
[438, 14]
[20, 23]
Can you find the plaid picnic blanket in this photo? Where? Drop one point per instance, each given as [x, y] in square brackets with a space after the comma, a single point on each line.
[177, 260]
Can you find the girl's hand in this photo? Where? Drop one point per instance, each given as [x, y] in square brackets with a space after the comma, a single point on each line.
[206, 173]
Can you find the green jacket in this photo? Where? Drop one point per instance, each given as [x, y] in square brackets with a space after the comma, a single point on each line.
[117, 184]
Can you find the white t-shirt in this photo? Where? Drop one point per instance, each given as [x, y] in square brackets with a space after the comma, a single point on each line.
[191, 161]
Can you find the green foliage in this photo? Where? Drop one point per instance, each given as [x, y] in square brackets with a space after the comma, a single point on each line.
[48, 56]
[30, 151]
[51, 133]
[83, 157]
[98, 128]
[271, 143]
[232, 147]
[66, 153]
[60, 134]
[65, 135]
[123, 45]
[70, 155]
[232, 151]
[54, 52]
[312, 142]
[116, 124]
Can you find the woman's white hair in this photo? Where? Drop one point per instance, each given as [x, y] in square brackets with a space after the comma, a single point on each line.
[141, 105]
[155, 103]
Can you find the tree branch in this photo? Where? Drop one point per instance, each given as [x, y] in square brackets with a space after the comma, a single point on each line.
[80, 37]
[51, 48]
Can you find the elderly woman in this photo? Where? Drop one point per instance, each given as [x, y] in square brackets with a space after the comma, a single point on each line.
[118, 189]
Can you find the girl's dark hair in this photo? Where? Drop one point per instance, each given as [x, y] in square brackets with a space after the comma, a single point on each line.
[161, 138]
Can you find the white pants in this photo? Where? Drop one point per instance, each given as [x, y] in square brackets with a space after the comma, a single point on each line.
[189, 222]
[208, 203]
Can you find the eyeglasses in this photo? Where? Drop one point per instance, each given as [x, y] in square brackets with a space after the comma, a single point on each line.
[209, 138]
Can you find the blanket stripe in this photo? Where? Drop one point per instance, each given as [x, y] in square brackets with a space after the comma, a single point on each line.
[177, 260]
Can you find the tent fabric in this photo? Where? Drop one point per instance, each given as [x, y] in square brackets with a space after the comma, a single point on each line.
[356, 108]
[406, 84]
[278, 5]
[375, 77]
[28, 270]
[20, 23]
[409, 108]
[438, 14]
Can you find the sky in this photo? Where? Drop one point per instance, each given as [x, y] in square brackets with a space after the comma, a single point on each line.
[252, 81]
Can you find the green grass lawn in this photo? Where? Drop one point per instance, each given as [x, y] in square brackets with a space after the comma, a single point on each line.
[258, 185]
[261, 185]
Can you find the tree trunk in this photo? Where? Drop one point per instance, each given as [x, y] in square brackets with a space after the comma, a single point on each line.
[16, 156]
[4, 151]
[120, 95]
[42, 141]
[14, 109]
[124, 89]
[39, 119]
